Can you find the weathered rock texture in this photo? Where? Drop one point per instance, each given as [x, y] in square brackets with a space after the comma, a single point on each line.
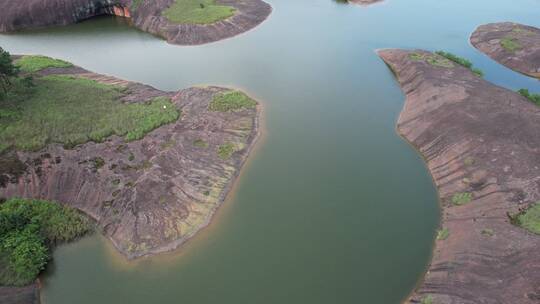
[481, 139]
[364, 2]
[31, 14]
[20, 295]
[525, 59]
[150, 195]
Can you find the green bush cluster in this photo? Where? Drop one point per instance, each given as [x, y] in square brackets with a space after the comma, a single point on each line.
[230, 101]
[534, 98]
[461, 61]
[28, 229]
[510, 44]
[461, 198]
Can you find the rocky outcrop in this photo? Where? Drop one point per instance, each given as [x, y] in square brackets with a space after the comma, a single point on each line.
[150, 195]
[514, 45]
[482, 146]
[145, 15]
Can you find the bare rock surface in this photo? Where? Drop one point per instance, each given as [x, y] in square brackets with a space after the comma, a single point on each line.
[149, 195]
[32, 14]
[364, 2]
[481, 141]
[20, 295]
[514, 45]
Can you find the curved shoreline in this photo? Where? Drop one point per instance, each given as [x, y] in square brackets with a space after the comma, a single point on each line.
[36, 14]
[513, 45]
[458, 135]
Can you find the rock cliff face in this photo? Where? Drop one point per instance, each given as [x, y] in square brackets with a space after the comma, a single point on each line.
[20, 295]
[514, 45]
[146, 15]
[482, 146]
[150, 195]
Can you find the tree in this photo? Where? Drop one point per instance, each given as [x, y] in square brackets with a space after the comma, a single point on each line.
[7, 69]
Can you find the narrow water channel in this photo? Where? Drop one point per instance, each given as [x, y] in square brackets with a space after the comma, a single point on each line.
[333, 206]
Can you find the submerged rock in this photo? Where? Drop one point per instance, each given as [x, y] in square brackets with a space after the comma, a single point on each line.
[482, 146]
[145, 15]
[514, 45]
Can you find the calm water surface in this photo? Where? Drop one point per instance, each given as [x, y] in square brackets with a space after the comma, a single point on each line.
[333, 207]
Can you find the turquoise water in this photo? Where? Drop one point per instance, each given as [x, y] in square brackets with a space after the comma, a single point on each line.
[333, 206]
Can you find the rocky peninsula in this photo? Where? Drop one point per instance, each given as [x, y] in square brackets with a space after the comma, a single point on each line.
[514, 45]
[179, 22]
[482, 147]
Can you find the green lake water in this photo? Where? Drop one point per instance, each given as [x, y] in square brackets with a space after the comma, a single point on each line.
[333, 206]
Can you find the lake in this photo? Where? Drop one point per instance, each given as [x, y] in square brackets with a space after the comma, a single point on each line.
[332, 206]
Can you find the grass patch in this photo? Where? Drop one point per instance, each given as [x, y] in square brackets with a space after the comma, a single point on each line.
[226, 150]
[510, 44]
[28, 230]
[530, 218]
[71, 111]
[487, 232]
[443, 234]
[461, 61]
[32, 64]
[197, 12]
[461, 198]
[427, 300]
[434, 60]
[231, 101]
[135, 4]
[199, 143]
[534, 98]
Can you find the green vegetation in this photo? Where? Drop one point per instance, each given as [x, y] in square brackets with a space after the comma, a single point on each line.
[434, 60]
[427, 300]
[199, 143]
[461, 61]
[38, 63]
[28, 229]
[534, 98]
[226, 150]
[231, 101]
[71, 111]
[529, 219]
[510, 44]
[7, 71]
[487, 232]
[135, 4]
[461, 198]
[197, 12]
[469, 161]
[443, 234]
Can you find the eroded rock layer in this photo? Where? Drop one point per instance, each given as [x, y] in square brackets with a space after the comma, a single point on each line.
[514, 45]
[482, 146]
[148, 195]
[145, 15]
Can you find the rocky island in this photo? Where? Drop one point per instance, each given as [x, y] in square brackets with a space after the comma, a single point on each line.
[184, 22]
[514, 45]
[149, 167]
[482, 147]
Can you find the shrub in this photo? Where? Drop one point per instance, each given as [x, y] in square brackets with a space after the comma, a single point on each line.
[530, 218]
[461, 198]
[197, 12]
[534, 98]
[461, 61]
[443, 234]
[27, 229]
